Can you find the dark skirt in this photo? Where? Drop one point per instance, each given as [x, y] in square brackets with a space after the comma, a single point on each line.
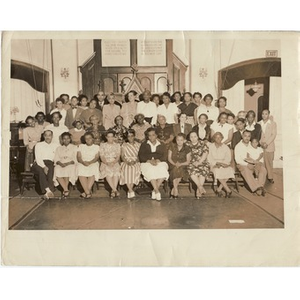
[180, 172]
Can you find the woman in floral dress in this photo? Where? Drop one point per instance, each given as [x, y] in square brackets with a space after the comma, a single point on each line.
[199, 167]
[110, 153]
[119, 130]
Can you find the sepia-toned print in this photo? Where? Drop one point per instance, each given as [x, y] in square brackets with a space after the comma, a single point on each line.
[153, 133]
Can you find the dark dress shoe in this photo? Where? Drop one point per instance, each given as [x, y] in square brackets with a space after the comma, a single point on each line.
[271, 181]
[228, 194]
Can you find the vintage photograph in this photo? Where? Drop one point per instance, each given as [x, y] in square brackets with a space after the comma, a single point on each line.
[145, 133]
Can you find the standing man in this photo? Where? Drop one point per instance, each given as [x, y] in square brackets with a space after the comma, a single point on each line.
[241, 152]
[73, 113]
[147, 108]
[269, 132]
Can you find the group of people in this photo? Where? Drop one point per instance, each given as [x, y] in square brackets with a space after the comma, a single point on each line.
[149, 137]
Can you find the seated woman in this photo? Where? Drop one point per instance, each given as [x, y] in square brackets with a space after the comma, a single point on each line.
[96, 129]
[65, 164]
[77, 132]
[153, 157]
[140, 127]
[203, 130]
[222, 126]
[164, 131]
[43, 166]
[31, 135]
[88, 164]
[120, 131]
[219, 158]
[179, 157]
[130, 166]
[110, 153]
[199, 167]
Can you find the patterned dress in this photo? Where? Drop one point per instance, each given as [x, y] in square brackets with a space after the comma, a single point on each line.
[120, 133]
[110, 152]
[196, 154]
[130, 174]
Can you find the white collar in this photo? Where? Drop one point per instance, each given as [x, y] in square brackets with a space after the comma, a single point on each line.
[157, 143]
[265, 123]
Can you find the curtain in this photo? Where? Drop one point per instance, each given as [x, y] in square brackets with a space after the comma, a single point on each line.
[26, 99]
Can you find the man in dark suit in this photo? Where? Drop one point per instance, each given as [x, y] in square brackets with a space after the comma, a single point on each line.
[73, 113]
[182, 126]
[238, 135]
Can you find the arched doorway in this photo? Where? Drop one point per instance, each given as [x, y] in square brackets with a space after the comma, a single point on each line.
[256, 75]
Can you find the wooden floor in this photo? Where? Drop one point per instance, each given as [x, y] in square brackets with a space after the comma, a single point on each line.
[243, 210]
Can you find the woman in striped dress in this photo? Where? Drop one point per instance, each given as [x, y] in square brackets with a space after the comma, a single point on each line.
[130, 167]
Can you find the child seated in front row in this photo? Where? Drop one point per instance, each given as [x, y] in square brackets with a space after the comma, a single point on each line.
[255, 156]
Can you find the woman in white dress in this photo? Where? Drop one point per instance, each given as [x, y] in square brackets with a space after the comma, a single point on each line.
[219, 158]
[222, 126]
[129, 108]
[88, 164]
[65, 164]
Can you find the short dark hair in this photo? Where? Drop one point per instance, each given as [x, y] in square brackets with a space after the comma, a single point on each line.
[74, 97]
[126, 96]
[56, 112]
[231, 115]
[115, 120]
[29, 118]
[40, 113]
[77, 121]
[149, 130]
[187, 93]
[96, 102]
[208, 95]
[250, 112]
[221, 114]
[197, 93]
[88, 134]
[247, 131]
[66, 134]
[83, 96]
[62, 95]
[266, 109]
[167, 94]
[155, 95]
[240, 120]
[60, 100]
[180, 134]
[110, 131]
[206, 116]
[222, 97]
[137, 115]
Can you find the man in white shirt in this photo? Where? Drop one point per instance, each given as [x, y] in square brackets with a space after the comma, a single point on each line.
[56, 128]
[240, 153]
[147, 108]
[43, 166]
[168, 110]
